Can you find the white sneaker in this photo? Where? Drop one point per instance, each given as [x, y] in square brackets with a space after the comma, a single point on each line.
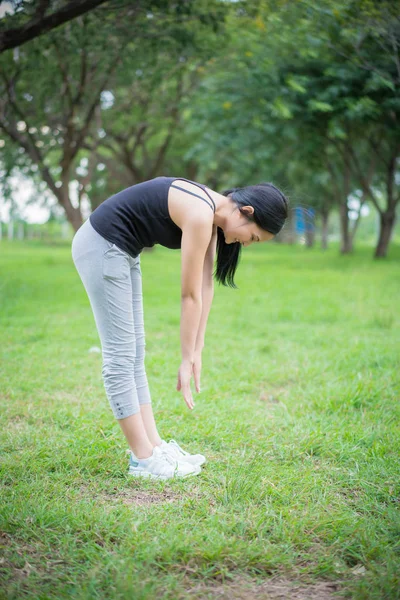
[173, 449]
[160, 465]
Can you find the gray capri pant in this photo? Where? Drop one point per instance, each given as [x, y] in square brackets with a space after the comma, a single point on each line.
[113, 283]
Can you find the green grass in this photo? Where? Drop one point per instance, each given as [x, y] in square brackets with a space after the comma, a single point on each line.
[298, 417]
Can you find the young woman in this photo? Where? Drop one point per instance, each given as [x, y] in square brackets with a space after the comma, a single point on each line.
[177, 213]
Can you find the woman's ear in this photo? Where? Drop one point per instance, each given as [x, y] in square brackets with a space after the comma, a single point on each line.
[248, 210]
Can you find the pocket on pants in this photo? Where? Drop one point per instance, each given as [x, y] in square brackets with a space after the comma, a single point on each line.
[115, 264]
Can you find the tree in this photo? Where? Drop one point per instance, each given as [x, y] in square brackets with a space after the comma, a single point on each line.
[288, 91]
[364, 36]
[56, 89]
[50, 94]
[139, 135]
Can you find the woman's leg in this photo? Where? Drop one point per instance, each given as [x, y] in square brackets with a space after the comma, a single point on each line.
[105, 272]
[142, 385]
[150, 424]
[136, 435]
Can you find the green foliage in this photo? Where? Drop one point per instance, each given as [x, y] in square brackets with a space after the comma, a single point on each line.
[305, 94]
[63, 90]
[295, 95]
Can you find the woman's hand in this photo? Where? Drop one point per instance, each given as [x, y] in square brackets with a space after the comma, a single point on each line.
[186, 370]
[197, 369]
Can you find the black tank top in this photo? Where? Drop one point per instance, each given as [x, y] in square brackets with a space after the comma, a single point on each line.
[138, 216]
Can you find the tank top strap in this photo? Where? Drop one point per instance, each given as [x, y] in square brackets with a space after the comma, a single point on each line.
[201, 186]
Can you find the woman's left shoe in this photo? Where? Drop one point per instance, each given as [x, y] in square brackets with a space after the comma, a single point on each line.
[173, 449]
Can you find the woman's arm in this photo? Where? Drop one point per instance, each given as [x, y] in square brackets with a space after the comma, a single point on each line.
[196, 234]
[207, 292]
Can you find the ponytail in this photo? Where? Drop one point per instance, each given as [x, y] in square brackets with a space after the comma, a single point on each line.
[228, 255]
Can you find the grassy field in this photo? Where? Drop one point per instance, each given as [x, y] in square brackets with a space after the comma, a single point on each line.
[298, 418]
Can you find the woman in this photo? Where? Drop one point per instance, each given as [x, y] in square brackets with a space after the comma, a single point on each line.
[177, 213]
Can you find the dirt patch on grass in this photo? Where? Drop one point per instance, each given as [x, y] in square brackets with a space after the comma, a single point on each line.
[142, 497]
[130, 497]
[275, 588]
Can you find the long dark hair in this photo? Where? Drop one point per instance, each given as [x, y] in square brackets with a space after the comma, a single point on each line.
[271, 209]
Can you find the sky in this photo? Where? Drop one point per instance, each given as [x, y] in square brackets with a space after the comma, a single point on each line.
[23, 191]
[23, 194]
[5, 7]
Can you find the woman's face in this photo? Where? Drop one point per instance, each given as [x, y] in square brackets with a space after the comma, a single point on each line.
[240, 229]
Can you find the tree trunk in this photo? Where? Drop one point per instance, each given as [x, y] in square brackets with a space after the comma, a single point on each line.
[386, 221]
[346, 246]
[310, 237]
[73, 214]
[324, 230]
[358, 220]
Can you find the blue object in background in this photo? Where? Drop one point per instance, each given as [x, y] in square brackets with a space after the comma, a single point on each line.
[304, 219]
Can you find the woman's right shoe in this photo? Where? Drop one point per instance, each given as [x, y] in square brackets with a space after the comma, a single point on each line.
[160, 466]
[174, 449]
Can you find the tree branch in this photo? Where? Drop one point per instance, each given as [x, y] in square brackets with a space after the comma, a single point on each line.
[71, 151]
[40, 24]
[365, 184]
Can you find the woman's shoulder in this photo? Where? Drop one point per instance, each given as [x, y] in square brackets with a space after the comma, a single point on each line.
[187, 200]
